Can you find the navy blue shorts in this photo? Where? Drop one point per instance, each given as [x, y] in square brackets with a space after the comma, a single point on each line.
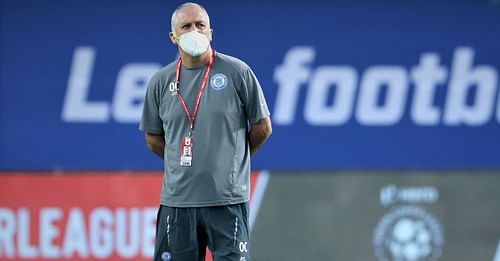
[183, 234]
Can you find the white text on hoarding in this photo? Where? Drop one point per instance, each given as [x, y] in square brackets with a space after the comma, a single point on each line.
[464, 77]
[100, 233]
[356, 96]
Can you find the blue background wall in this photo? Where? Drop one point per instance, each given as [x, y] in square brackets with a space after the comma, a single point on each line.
[39, 41]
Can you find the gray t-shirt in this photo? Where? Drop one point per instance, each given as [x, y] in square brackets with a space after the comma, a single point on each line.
[220, 171]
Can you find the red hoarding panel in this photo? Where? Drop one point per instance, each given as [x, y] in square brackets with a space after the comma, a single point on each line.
[79, 216]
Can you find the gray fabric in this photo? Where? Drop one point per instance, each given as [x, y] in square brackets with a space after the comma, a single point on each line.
[220, 172]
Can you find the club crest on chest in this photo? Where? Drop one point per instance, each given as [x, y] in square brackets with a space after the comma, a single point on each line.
[218, 81]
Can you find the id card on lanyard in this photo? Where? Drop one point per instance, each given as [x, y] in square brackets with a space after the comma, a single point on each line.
[187, 152]
[188, 142]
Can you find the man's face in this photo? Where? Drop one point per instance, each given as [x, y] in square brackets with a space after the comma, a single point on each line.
[192, 18]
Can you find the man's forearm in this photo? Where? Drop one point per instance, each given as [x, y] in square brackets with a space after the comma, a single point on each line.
[259, 133]
[158, 151]
[156, 144]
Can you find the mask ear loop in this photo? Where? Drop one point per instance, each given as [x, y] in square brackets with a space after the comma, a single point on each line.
[175, 36]
[176, 39]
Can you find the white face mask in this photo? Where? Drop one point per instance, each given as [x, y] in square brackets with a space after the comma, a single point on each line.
[194, 43]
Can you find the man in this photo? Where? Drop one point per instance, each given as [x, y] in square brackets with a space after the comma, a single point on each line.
[205, 114]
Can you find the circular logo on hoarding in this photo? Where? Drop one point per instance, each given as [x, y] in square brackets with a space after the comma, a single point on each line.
[218, 81]
[408, 234]
[166, 256]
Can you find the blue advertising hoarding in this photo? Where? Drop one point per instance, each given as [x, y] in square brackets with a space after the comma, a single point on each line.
[350, 84]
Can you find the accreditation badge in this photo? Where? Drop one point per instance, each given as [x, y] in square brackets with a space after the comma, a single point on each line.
[187, 152]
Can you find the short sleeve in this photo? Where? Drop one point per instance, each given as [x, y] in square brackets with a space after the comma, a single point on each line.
[150, 120]
[253, 97]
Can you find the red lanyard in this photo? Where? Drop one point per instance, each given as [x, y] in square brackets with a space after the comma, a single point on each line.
[192, 117]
